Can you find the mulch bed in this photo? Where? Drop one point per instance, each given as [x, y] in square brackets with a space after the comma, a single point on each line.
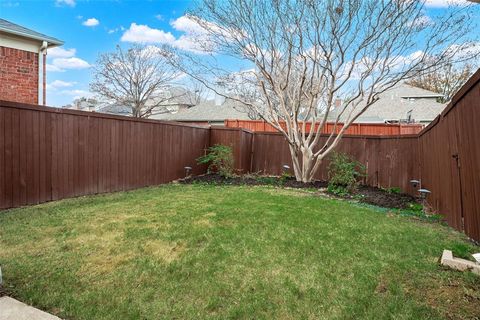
[382, 198]
[250, 181]
[365, 194]
[2, 291]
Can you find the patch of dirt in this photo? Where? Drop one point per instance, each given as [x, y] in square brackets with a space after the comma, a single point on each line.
[365, 194]
[382, 198]
[453, 298]
[167, 251]
[249, 180]
[382, 287]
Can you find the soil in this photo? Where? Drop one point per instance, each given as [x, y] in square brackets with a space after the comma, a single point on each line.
[382, 198]
[254, 181]
[365, 194]
[2, 291]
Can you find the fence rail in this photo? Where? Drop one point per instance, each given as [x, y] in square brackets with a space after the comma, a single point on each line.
[49, 154]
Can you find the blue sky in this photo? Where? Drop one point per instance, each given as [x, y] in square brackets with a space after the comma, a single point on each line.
[93, 27]
[68, 20]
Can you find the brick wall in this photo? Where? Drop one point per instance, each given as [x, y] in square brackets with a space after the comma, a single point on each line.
[18, 75]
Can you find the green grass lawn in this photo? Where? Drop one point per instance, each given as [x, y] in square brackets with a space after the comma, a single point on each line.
[196, 251]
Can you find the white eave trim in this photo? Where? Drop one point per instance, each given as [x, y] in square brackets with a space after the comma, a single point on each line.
[51, 41]
[19, 43]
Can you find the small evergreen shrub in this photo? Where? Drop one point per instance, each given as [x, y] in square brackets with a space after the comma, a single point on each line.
[220, 160]
[344, 174]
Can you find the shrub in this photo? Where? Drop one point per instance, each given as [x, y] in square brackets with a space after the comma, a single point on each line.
[285, 177]
[344, 172]
[337, 190]
[219, 159]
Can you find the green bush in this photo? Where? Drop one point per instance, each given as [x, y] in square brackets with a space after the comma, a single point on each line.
[219, 159]
[344, 172]
[337, 190]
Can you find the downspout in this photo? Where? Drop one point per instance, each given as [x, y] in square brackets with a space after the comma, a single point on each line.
[41, 73]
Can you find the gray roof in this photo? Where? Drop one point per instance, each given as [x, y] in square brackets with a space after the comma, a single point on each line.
[12, 28]
[116, 109]
[209, 111]
[395, 103]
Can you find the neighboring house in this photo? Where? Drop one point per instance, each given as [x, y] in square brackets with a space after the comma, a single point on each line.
[83, 104]
[22, 63]
[177, 98]
[213, 112]
[173, 100]
[402, 103]
[116, 110]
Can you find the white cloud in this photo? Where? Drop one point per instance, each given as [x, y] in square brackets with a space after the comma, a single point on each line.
[193, 39]
[53, 68]
[159, 17]
[71, 63]
[59, 52]
[444, 3]
[144, 34]
[110, 31]
[469, 51]
[61, 59]
[70, 3]
[57, 84]
[62, 64]
[187, 25]
[77, 93]
[92, 22]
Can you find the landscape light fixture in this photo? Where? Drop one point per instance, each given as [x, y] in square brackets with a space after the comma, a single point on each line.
[415, 183]
[187, 171]
[286, 167]
[424, 193]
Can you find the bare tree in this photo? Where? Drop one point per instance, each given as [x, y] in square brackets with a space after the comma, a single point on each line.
[305, 53]
[197, 93]
[138, 78]
[446, 80]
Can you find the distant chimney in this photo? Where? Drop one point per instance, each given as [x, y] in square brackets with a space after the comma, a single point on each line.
[338, 102]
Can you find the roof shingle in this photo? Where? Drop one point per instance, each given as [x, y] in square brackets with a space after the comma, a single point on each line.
[12, 28]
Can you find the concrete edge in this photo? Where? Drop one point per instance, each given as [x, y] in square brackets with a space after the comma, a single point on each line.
[458, 264]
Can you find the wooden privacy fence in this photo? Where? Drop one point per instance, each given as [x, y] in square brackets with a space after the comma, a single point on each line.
[370, 129]
[450, 160]
[48, 154]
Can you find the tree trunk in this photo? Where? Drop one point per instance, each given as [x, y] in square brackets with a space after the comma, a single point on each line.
[303, 162]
